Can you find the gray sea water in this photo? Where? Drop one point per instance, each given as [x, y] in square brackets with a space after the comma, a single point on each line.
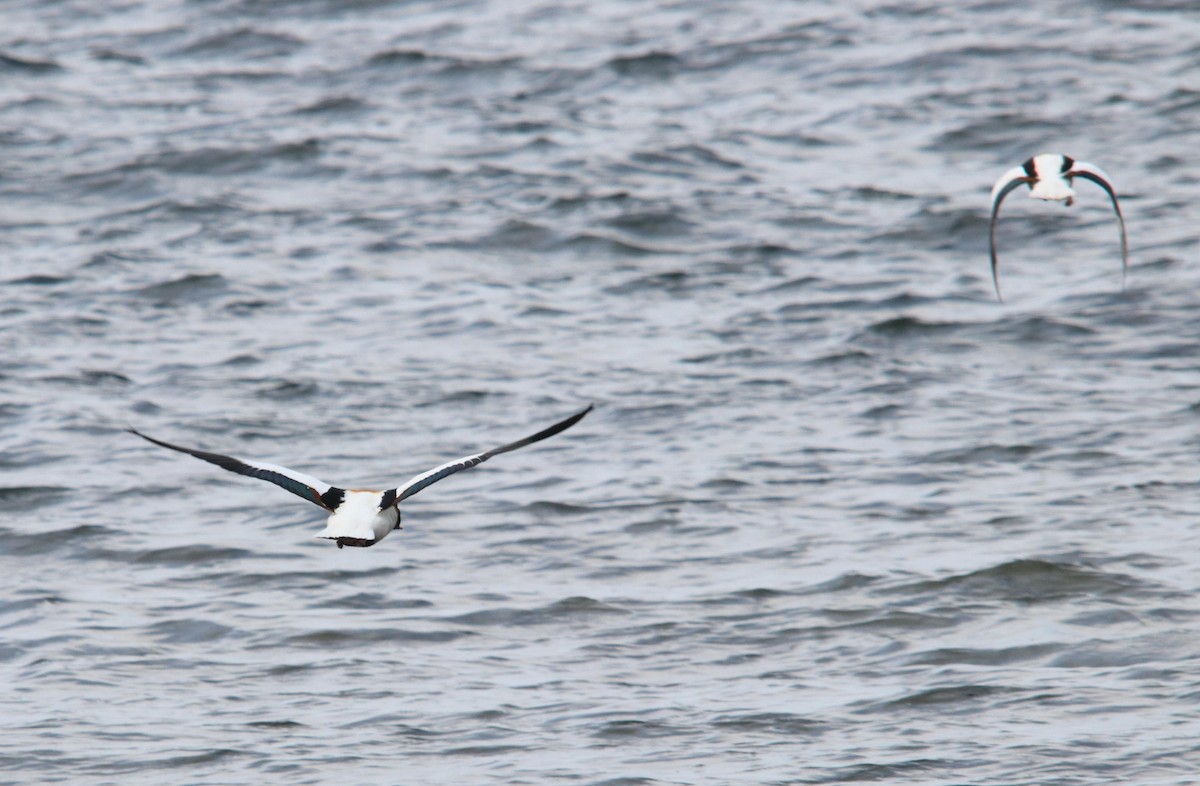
[838, 516]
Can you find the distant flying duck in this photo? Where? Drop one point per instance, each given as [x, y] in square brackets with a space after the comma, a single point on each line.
[1049, 177]
[359, 517]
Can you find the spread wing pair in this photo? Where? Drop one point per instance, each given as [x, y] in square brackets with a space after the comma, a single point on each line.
[1049, 177]
[329, 497]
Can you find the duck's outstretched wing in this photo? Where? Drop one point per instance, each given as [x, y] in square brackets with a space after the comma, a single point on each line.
[1096, 175]
[306, 486]
[419, 482]
[1007, 182]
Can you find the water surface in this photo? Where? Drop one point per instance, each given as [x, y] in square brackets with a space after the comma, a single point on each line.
[838, 516]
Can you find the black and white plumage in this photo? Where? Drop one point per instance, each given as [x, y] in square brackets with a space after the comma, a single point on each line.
[1049, 176]
[359, 517]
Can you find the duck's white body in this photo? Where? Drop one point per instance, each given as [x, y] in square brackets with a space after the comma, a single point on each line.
[359, 517]
[359, 521]
[1051, 184]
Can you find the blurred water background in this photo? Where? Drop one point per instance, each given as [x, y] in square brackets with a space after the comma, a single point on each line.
[838, 516]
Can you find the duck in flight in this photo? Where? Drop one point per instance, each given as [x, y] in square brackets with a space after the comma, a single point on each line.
[359, 517]
[1049, 176]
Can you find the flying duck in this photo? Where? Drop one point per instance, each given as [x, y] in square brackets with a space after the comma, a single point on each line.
[1048, 176]
[359, 517]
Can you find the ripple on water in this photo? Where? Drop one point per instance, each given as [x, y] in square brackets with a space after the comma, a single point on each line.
[67, 538]
[776, 723]
[21, 499]
[372, 601]
[189, 631]
[39, 598]
[27, 65]
[192, 288]
[986, 657]
[243, 42]
[358, 637]
[40, 280]
[617, 731]
[953, 699]
[567, 609]
[1125, 651]
[1029, 581]
[184, 762]
[906, 327]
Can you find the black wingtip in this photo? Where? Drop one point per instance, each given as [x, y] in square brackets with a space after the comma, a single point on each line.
[997, 200]
[563, 425]
[995, 262]
[154, 441]
[578, 416]
[136, 433]
[1104, 183]
[557, 428]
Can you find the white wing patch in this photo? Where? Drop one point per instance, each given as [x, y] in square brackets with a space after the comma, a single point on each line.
[300, 484]
[418, 482]
[1083, 167]
[1016, 173]
[466, 462]
[308, 480]
[1097, 175]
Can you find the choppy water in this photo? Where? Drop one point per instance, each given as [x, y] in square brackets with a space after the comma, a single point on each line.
[839, 516]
